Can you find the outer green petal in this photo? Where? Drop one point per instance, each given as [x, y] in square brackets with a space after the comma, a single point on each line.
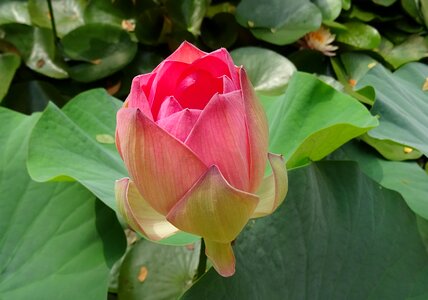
[213, 209]
[274, 188]
[221, 256]
[140, 216]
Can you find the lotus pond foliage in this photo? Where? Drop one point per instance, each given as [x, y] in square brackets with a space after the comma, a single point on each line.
[132, 129]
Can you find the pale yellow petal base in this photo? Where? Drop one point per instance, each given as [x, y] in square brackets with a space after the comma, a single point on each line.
[140, 216]
[274, 187]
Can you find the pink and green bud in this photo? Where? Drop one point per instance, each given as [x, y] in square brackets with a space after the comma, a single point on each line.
[194, 139]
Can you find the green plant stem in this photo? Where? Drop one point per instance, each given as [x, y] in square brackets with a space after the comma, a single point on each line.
[52, 18]
[202, 266]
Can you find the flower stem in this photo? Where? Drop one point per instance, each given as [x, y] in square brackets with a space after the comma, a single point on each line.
[202, 266]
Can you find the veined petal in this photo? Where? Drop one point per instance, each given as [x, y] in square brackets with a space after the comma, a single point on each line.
[162, 167]
[139, 214]
[168, 107]
[219, 138]
[213, 209]
[258, 132]
[121, 191]
[228, 85]
[186, 53]
[221, 256]
[137, 98]
[181, 123]
[273, 188]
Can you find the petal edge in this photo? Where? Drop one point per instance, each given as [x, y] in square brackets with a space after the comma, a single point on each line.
[274, 187]
[140, 216]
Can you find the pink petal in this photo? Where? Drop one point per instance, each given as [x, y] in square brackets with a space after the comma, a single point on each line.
[140, 216]
[217, 63]
[258, 132]
[228, 85]
[168, 77]
[219, 137]
[162, 167]
[274, 188]
[137, 98]
[221, 256]
[181, 123]
[213, 209]
[169, 107]
[197, 88]
[186, 53]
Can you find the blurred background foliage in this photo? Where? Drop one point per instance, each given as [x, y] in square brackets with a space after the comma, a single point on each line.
[54, 53]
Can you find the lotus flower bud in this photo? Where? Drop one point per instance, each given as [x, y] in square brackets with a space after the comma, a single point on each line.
[194, 139]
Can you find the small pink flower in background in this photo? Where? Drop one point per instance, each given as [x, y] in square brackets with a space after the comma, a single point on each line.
[194, 139]
[320, 40]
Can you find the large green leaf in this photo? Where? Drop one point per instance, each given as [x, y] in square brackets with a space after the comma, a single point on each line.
[401, 104]
[330, 9]
[102, 49]
[9, 63]
[312, 119]
[77, 142]
[407, 178]
[37, 48]
[412, 49]
[359, 35]
[391, 150]
[269, 71]
[151, 271]
[339, 235]
[56, 238]
[279, 22]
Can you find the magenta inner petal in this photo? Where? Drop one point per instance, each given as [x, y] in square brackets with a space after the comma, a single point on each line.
[186, 53]
[181, 123]
[168, 107]
[212, 64]
[168, 77]
[196, 89]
